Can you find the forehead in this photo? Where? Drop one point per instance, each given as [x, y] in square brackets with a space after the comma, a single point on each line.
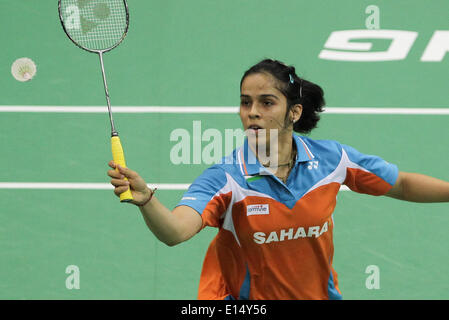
[259, 83]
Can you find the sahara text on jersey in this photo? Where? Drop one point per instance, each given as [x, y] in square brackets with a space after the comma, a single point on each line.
[289, 234]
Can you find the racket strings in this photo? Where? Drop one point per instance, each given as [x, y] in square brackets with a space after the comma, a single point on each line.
[93, 24]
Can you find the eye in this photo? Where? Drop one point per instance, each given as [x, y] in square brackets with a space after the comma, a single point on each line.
[244, 103]
[268, 103]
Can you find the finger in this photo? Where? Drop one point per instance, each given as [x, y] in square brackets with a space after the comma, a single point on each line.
[115, 174]
[119, 190]
[127, 172]
[119, 182]
[111, 164]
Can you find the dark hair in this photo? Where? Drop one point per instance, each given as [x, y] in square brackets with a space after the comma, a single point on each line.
[301, 91]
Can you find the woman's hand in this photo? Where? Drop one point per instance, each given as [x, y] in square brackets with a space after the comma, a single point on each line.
[139, 189]
[169, 227]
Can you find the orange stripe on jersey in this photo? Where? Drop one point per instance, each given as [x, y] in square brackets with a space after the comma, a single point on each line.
[305, 148]
[366, 182]
[215, 208]
[212, 285]
[223, 269]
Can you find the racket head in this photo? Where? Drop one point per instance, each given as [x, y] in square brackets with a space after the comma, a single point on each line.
[94, 25]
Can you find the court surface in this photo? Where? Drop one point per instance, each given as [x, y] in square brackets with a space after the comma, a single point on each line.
[193, 55]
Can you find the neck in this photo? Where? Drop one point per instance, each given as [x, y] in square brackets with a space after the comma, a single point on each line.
[284, 152]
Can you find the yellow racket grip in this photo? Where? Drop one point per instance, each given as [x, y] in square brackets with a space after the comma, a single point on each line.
[119, 157]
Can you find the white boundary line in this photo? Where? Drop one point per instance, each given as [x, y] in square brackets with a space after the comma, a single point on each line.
[84, 186]
[209, 109]
[93, 186]
[403, 111]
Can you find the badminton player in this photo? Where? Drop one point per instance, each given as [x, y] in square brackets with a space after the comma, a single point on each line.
[274, 218]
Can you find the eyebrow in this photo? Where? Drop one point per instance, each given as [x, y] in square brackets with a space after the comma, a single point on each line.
[262, 96]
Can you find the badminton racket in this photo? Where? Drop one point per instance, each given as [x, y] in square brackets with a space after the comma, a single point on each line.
[98, 26]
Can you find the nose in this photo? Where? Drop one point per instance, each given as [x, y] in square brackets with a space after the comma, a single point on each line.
[254, 112]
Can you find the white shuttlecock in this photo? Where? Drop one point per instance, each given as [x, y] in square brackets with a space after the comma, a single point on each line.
[23, 69]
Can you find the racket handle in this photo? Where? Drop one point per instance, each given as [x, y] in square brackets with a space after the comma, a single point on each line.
[119, 157]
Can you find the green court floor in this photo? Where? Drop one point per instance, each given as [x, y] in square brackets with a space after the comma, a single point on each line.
[181, 53]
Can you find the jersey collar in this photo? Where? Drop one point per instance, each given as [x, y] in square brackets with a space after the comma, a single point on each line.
[249, 165]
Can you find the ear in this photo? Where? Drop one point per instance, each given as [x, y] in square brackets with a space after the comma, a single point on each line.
[295, 112]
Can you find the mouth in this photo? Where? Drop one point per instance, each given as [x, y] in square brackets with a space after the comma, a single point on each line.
[254, 127]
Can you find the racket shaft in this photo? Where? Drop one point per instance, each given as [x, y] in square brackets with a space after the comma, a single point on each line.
[119, 157]
[106, 91]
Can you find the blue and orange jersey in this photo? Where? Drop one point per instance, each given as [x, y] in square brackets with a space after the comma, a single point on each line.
[275, 239]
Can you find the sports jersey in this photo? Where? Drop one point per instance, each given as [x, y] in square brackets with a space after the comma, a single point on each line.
[275, 239]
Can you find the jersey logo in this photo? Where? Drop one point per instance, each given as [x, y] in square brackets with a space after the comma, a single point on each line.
[254, 209]
[313, 165]
[290, 234]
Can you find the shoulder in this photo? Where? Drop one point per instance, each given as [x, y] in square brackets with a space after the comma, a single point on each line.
[218, 174]
[333, 150]
[322, 148]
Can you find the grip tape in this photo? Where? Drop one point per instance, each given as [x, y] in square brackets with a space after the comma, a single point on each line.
[119, 157]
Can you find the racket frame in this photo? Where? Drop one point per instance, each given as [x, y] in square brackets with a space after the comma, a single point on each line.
[92, 50]
[100, 53]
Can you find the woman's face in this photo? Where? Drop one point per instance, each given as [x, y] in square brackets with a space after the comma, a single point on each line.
[262, 109]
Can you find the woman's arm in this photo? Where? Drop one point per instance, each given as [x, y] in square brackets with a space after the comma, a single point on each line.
[417, 187]
[170, 227]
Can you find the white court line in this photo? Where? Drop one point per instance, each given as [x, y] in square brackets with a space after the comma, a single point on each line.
[84, 186]
[404, 111]
[118, 109]
[93, 186]
[206, 109]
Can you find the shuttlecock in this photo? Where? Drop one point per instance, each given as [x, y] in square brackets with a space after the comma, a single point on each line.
[23, 69]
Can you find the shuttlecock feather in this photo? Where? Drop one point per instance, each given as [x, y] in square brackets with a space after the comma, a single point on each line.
[23, 69]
